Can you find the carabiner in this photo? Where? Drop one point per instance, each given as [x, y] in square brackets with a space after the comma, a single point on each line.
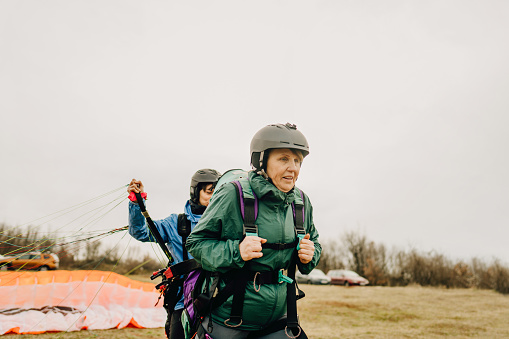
[254, 283]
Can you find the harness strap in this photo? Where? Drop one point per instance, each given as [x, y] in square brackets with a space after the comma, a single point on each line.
[292, 319]
[248, 209]
[291, 296]
[172, 295]
[239, 293]
[184, 229]
[280, 246]
[181, 268]
[277, 326]
[298, 220]
[269, 277]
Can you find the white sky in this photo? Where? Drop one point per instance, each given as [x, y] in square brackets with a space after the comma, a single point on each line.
[404, 103]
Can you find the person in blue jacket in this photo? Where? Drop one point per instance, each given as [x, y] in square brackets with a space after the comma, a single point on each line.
[202, 186]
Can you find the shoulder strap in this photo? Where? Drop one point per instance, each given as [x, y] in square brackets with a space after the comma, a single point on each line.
[248, 210]
[184, 229]
[298, 217]
[292, 319]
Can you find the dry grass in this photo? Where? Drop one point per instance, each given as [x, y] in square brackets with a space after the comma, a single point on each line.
[376, 312]
[403, 312]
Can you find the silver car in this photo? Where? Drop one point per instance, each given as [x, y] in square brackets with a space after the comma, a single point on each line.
[315, 277]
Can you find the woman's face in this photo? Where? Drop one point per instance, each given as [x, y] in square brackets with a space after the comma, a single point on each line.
[206, 194]
[283, 167]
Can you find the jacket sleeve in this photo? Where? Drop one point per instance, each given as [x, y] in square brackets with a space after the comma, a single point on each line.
[313, 233]
[214, 242]
[139, 230]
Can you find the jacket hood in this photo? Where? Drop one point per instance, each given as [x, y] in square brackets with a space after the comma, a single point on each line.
[189, 213]
[266, 190]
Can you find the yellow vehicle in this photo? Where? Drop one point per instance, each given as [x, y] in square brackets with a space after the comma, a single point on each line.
[31, 261]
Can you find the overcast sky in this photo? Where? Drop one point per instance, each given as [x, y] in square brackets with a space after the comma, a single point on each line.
[405, 105]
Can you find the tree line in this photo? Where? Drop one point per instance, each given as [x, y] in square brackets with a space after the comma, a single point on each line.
[353, 251]
[80, 255]
[383, 267]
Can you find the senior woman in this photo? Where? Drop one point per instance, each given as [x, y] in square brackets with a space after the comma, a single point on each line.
[221, 244]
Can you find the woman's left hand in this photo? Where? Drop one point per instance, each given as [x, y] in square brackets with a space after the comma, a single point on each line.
[307, 250]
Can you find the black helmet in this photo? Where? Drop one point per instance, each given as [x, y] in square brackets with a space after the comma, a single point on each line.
[205, 175]
[276, 136]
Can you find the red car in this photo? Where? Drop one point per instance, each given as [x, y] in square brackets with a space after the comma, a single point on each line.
[347, 278]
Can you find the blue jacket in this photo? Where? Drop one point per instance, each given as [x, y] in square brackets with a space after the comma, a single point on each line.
[167, 228]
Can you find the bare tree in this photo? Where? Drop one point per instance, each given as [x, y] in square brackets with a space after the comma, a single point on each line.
[356, 246]
[331, 256]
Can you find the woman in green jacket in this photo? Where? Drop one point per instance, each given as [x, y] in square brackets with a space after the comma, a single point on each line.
[219, 244]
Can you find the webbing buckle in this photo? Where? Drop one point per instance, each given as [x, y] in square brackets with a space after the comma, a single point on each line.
[281, 278]
[300, 236]
[251, 234]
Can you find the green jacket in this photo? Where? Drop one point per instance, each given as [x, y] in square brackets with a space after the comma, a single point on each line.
[214, 242]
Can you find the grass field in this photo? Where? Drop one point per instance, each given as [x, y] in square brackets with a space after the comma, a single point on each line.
[374, 312]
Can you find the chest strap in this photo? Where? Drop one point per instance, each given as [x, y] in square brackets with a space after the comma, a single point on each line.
[280, 246]
[184, 229]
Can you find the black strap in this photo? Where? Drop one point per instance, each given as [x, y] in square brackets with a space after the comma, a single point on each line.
[265, 277]
[181, 268]
[239, 293]
[298, 219]
[276, 326]
[249, 216]
[172, 295]
[230, 279]
[279, 246]
[247, 210]
[291, 294]
[184, 229]
[291, 301]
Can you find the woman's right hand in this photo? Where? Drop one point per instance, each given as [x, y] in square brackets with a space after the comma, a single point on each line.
[251, 247]
[135, 186]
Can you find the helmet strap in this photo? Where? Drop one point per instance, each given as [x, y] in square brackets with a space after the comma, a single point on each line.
[261, 164]
[263, 174]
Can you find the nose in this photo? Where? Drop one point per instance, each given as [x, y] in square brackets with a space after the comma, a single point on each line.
[293, 167]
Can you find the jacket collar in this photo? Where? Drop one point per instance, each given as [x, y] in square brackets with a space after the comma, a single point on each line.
[267, 191]
[189, 213]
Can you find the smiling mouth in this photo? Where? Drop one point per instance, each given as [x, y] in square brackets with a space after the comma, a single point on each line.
[288, 178]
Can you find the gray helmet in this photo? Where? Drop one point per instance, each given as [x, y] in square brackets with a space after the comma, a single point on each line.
[206, 175]
[276, 136]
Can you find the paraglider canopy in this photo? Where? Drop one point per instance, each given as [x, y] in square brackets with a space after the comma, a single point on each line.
[37, 302]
